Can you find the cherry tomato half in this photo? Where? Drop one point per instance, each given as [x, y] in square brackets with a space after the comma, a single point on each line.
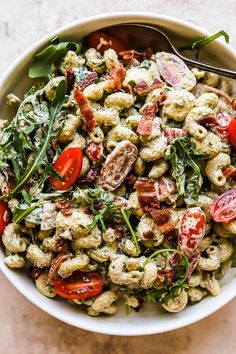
[79, 285]
[68, 165]
[4, 215]
[224, 207]
[192, 230]
[102, 41]
[232, 133]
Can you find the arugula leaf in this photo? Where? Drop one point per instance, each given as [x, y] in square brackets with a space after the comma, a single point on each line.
[165, 292]
[95, 196]
[40, 155]
[126, 217]
[21, 211]
[43, 60]
[205, 40]
[186, 169]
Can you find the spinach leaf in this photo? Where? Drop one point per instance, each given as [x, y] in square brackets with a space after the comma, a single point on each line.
[186, 168]
[43, 60]
[205, 40]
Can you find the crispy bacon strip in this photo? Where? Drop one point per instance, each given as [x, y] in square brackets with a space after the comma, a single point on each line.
[161, 218]
[170, 269]
[91, 176]
[85, 109]
[173, 133]
[142, 88]
[151, 192]
[134, 58]
[146, 193]
[165, 186]
[70, 78]
[88, 80]
[146, 122]
[117, 75]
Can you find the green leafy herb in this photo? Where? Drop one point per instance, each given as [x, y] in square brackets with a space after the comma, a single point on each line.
[145, 64]
[126, 217]
[165, 292]
[93, 197]
[205, 40]
[186, 168]
[233, 263]
[40, 152]
[22, 211]
[52, 54]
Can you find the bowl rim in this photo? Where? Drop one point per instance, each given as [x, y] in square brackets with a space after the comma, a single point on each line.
[114, 330]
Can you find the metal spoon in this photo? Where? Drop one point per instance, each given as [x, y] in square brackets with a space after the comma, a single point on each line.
[141, 36]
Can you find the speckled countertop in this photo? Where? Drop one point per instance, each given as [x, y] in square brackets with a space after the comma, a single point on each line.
[24, 329]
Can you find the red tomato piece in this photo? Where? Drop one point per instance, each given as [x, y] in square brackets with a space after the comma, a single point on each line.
[94, 151]
[102, 41]
[192, 230]
[4, 215]
[224, 207]
[68, 165]
[232, 133]
[79, 285]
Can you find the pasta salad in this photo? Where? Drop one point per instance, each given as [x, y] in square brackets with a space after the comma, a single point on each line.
[118, 177]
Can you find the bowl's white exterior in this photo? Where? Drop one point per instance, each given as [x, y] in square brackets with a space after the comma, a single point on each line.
[151, 319]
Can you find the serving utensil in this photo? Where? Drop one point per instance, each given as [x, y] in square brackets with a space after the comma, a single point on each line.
[141, 36]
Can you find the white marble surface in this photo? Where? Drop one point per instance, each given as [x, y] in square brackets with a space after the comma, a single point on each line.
[25, 329]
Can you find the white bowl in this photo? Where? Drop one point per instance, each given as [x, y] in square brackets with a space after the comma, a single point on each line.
[150, 319]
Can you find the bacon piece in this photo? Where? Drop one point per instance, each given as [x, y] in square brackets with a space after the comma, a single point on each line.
[91, 176]
[117, 75]
[160, 216]
[230, 172]
[165, 186]
[151, 192]
[233, 104]
[208, 121]
[134, 58]
[171, 268]
[85, 109]
[146, 193]
[127, 88]
[35, 272]
[119, 231]
[64, 205]
[173, 133]
[142, 88]
[70, 78]
[88, 80]
[94, 151]
[146, 122]
[60, 258]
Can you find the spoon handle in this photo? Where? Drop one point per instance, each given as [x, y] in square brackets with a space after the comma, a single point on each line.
[207, 67]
